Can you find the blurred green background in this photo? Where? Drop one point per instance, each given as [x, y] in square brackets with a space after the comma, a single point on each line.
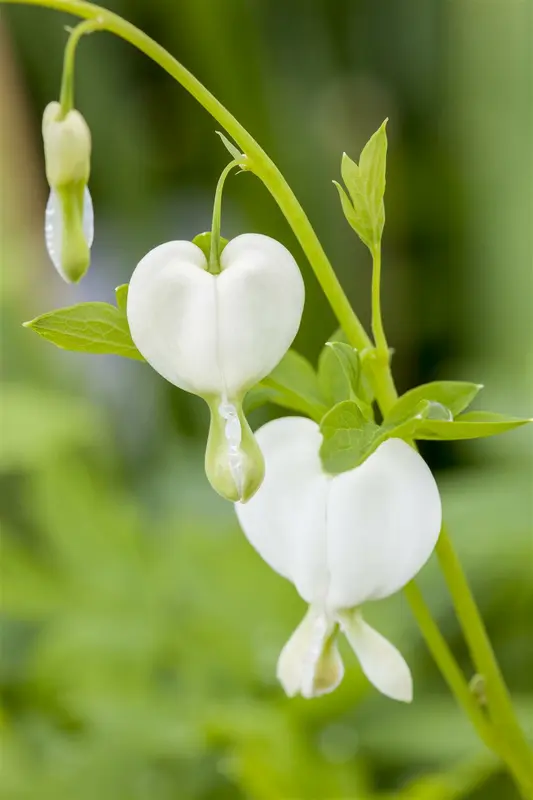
[141, 631]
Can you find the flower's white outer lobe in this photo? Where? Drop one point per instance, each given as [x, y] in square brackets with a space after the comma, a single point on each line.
[216, 335]
[53, 228]
[342, 540]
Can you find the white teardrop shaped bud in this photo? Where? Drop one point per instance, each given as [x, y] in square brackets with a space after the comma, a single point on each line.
[67, 146]
[344, 539]
[217, 335]
[69, 218]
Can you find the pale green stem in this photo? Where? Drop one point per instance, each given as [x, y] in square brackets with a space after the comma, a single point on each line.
[384, 387]
[214, 249]
[66, 98]
[378, 330]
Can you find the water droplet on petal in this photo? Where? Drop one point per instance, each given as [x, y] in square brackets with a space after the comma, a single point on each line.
[439, 412]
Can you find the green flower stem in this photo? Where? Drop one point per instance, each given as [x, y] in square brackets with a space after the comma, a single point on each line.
[378, 331]
[498, 700]
[495, 738]
[66, 98]
[214, 250]
[501, 710]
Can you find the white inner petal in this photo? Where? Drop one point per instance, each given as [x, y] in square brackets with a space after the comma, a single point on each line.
[381, 662]
[53, 226]
[309, 663]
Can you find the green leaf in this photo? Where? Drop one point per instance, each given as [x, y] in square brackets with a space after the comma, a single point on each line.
[364, 208]
[453, 395]
[230, 147]
[348, 437]
[121, 294]
[339, 371]
[358, 219]
[292, 384]
[473, 425]
[88, 328]
[372, 165]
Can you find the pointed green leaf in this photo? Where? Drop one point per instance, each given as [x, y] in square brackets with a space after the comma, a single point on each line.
[89, 328]
[338, 372]
[454, 395]
[359, 219]
[121, 294]
[347, 436]
[473, 425]
[292, 384]
[230, 147]
[372, 165]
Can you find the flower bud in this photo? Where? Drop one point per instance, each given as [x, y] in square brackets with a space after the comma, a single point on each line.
[342, 540]
[69, 220]
[234, 463]
[217, 335]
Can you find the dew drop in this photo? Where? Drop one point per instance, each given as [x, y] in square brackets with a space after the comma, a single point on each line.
[53, 226]
[439, 412]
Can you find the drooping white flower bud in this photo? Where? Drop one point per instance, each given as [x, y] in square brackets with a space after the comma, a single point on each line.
[69, 221]
[217, 335]
[342, 540]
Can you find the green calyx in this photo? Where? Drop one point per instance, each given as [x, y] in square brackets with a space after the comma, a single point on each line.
[234, 463]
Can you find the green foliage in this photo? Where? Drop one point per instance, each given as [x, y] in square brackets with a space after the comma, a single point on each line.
[426, 412]
[292, 384]
[363, 206]
[348, 437]
[89, 328]
[453, 395]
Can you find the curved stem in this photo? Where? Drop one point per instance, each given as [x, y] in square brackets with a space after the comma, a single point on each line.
[66, 98]
[501, 710]
[258, 161]
[214, 249]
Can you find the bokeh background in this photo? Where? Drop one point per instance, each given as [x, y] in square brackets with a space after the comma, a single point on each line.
[141, 631]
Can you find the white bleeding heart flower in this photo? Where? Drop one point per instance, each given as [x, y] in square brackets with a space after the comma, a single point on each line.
[217, 335]
[342, 540]
[69, 218]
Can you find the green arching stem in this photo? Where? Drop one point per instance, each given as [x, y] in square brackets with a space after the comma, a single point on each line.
[214, 250]
[502, 717]
[66, 97]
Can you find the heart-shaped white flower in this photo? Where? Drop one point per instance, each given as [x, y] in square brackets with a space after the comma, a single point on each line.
[216, 335]
[342, 540]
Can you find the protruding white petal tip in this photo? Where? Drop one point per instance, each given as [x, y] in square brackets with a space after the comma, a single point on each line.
[381, 662]
[310, 663]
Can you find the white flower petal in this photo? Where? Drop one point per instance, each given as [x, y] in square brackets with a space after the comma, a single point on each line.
[384, 519]
[216, 334]
[53, 227]
[310, 663]
[261, 299]
[381, 662]
[286, 519]
[346, 539]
